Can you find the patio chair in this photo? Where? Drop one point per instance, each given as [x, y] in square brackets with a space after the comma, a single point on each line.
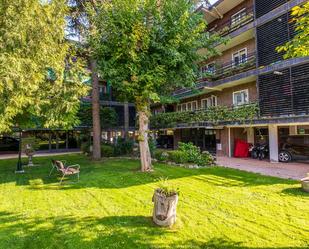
[64, 170]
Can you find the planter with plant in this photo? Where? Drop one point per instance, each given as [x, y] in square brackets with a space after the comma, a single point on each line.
[305, 183]
[29, 146]
[165, 199]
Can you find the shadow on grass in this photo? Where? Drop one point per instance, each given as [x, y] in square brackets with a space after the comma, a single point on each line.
[120, 173]
[296, 192]
[116, 232]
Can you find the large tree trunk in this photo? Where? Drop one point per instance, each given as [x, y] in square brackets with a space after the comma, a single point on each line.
[143, 118]
[96, 150]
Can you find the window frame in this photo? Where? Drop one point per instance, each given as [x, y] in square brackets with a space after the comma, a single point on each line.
[239, 56]
[237, 13]
[240, 91]
[210, 98]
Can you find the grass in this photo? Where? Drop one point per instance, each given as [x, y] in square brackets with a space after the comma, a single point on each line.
[111, 207]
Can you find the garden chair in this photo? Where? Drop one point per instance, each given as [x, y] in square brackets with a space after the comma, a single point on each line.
[65, 170]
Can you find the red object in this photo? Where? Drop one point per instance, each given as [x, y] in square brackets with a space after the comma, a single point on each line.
[241, 148]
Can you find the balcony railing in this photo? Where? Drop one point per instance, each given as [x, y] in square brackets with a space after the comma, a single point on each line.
[232, 25]
[211, 115]
[231, 68]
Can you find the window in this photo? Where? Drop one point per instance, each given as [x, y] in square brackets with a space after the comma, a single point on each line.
[194, 105]
[241, 97]
[238, 17]
[209, 68]
[178, 108]
[210, 101]
[102, 89]
[184, 107]
[239, 57]
[189, 106]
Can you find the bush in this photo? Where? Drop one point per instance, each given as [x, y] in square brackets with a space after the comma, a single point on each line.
[123, 147]
[160, 155]
[206, 159]
[193, 152]
[85, 147]
[107, 150]
[178, 156]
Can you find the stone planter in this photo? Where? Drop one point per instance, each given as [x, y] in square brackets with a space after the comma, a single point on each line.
[30, 156]
[164, 211]
[305, 184]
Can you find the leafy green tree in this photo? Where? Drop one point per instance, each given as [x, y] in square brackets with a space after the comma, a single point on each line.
[299, 45]
[147, 49]
[108, 116]
[79, 26]
[40, 76]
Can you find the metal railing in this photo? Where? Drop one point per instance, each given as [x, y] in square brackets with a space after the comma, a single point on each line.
[232, 25]
[230, 68]
[212, 116]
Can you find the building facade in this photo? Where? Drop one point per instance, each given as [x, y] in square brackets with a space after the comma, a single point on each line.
[249, 75]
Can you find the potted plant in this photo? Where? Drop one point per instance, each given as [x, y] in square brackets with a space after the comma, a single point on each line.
[165, 199]
[29, 146]
[305, 183]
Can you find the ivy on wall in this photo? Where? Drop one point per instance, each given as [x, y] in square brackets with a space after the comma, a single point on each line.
[212, 115]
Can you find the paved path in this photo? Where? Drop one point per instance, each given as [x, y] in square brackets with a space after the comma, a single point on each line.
[292, 170]
[39, 154]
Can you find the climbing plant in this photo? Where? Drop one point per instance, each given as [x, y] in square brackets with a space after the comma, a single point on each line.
[213, 115]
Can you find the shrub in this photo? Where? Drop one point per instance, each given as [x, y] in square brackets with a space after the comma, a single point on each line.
[152, 145]
[123, 147]
[192, 152]
[206, 159]
[160, 155]
[85, 147]
[107, 150]
[178, 156]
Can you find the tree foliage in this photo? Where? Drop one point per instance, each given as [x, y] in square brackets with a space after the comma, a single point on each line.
[299, 45]
[108, 116]
[147, 49]
[32, 48]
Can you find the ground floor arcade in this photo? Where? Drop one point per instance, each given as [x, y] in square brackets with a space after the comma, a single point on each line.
[221, 140]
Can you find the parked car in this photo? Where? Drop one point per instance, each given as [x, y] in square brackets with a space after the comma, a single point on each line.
[9, 144]
[294, 147]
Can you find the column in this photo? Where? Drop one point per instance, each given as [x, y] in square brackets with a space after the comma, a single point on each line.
[126, 120]
[293, 130]
[273, 143]
[250, 135]
[229, 142]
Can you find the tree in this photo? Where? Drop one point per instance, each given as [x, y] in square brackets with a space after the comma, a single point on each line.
[40, 76]
[147, 49]
[108, 116]
[299, 45]
[40, 79]
[79, 26]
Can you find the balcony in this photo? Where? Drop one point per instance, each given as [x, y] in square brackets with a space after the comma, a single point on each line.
[210, 116]
[245, 17]
[217, 71]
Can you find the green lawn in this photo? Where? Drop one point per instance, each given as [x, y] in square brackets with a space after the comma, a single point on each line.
[111, 208]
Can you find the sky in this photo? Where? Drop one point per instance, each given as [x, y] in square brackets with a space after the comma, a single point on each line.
[213, 1]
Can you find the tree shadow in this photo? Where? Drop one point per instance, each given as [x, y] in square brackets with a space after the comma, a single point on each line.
[296, 192]
[120, 173]
[115, 232]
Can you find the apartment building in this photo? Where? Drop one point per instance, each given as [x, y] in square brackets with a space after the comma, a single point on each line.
[248, 72]
[126, 113]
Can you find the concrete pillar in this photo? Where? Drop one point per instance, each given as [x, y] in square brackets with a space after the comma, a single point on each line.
[66, 140]
[293, 130]
[126, 120]
[273, 143]
[250, 135]
[177, 138]
[229, 141]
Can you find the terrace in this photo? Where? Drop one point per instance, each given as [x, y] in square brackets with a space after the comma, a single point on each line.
[216, 71]
[205, 117]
